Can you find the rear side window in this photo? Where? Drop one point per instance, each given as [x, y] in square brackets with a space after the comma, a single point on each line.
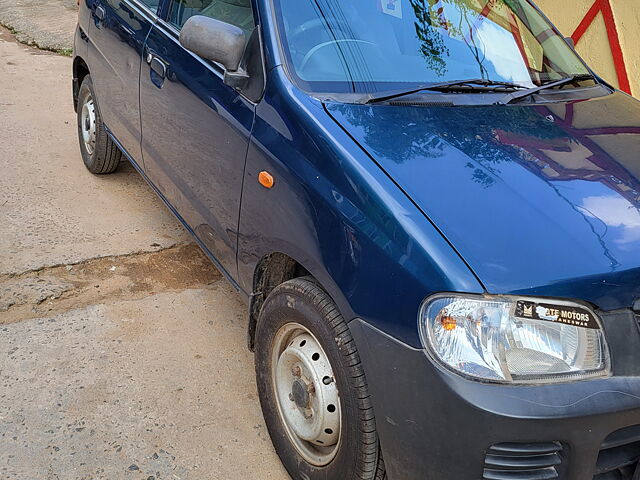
[235, 12]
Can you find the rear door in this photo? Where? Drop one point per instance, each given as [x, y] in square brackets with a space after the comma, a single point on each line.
[118, 29]
[195, 129]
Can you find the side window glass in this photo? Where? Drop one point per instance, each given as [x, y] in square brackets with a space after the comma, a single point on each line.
[152, 4]
[235, 12]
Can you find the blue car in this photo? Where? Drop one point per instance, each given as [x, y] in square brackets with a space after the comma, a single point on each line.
[431, 208]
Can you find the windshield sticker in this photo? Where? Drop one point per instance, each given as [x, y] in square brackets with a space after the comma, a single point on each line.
[575, 316]
[391, 7]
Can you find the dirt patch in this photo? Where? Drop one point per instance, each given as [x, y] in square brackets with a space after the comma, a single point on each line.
[58, 289]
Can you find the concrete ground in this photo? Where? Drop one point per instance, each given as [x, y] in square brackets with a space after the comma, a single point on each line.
[122, 350]
[47, 24]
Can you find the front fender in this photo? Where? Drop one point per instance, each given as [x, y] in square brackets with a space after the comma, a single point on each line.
[335, 212]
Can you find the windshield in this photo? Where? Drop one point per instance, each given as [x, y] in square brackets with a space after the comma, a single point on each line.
[368, 46]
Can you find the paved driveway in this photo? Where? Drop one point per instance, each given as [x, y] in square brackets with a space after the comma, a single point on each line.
[122, 350]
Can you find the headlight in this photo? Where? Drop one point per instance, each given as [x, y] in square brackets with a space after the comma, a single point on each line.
[513, 339]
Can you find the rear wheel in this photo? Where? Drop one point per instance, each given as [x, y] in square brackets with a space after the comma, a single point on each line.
[99, 153]
[312, 388]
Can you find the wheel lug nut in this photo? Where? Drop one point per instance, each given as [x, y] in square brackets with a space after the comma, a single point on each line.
[291, 397]
[296, 371]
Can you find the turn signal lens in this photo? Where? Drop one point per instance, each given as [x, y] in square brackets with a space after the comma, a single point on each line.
[448, 323]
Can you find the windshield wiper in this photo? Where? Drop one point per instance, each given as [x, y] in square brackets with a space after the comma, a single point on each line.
[514, 96]
[472, 85]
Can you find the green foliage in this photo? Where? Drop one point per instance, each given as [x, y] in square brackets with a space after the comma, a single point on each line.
[432, 45]
[430, 25]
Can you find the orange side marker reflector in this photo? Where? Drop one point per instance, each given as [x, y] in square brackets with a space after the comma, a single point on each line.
[265, 179]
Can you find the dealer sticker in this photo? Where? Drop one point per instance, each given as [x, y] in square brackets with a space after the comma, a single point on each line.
[567, 315]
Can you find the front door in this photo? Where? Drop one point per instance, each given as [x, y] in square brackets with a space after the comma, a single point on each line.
[195, 129]
[117, 33]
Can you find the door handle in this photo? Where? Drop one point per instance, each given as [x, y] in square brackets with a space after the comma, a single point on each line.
[99, 13]
[158, 66]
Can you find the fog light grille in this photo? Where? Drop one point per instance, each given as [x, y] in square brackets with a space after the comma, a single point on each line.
[619, 455]
[523, 461]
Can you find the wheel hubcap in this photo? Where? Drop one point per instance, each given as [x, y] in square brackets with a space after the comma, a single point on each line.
[300, 394]
[88, 125]
[306, 393]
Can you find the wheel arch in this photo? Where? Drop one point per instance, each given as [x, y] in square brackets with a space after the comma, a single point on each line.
[80, 70]
[271, 270]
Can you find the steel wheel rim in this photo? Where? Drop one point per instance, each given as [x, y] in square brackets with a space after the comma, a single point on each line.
[88, 124]
[306, 394]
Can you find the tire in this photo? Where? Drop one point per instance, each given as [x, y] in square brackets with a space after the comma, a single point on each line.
[99, 153]
[300, 325]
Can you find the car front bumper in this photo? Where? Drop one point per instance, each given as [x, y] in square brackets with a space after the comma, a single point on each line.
[436, 425]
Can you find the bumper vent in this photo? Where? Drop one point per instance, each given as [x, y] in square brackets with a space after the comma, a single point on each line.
[619, 455]
[523, 461]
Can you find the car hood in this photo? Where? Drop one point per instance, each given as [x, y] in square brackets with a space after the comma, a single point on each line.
[537, 199]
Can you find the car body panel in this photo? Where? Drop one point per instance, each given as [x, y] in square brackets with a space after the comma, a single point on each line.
[195, 132]
[335, 212]
[80, 39]
[539, 200]
[114, 56]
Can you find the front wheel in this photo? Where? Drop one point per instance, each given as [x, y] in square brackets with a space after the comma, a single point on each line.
[312, 388]
[99, 153]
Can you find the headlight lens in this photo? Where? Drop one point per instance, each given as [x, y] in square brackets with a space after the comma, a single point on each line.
[513, 339]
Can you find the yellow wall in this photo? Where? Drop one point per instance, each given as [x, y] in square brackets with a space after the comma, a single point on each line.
[594, 44]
